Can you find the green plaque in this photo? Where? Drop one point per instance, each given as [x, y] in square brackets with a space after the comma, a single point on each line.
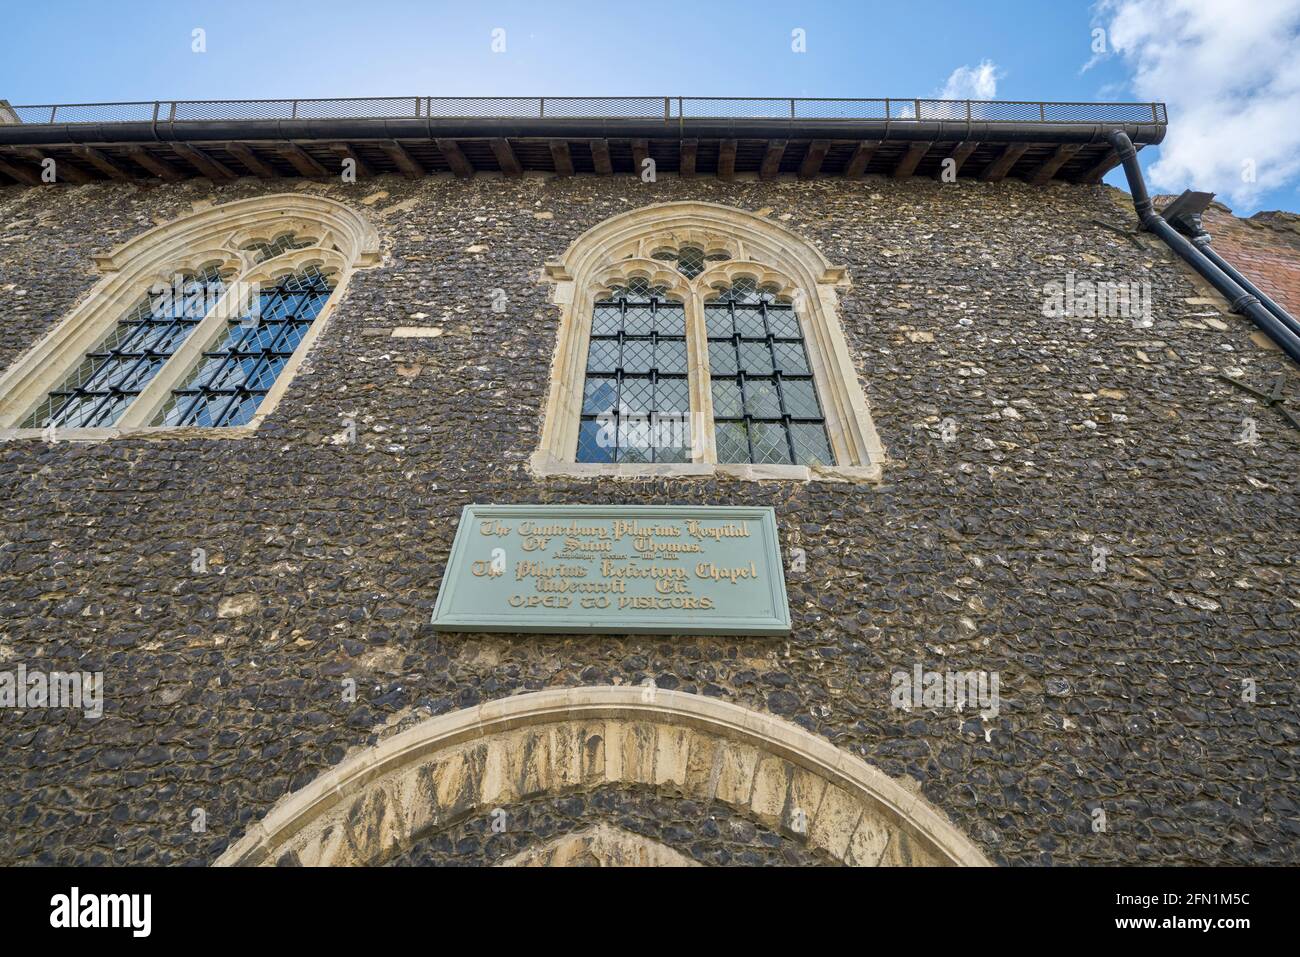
[615, 569]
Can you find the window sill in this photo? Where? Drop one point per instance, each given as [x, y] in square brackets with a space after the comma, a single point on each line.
[543, 465]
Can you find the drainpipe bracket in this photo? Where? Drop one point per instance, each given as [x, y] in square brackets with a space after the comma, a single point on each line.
[1243, 303]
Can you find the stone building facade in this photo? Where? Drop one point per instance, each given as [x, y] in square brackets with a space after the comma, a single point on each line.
[1069, 502]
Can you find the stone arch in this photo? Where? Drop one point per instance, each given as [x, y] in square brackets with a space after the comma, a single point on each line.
[755, 244]
[599, 846]
[377, 802]
[245, 220]
[708, 225]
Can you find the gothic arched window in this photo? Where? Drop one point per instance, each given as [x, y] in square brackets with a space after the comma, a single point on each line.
[200, 322]
[698, 339]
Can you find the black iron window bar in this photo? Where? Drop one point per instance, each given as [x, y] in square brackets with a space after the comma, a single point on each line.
[800, 418]
[634, 380]
[110, 378]
[229, 383]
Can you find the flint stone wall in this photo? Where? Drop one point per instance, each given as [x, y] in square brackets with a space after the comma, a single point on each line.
[1121, 689]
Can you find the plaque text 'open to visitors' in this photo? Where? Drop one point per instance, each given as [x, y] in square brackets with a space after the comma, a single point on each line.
[689, 570]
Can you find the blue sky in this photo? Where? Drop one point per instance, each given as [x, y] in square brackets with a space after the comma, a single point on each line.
[74, 51]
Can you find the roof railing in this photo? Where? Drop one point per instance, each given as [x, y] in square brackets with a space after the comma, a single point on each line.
[668, 108]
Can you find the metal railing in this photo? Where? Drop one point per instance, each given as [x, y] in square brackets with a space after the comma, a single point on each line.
[667, 108]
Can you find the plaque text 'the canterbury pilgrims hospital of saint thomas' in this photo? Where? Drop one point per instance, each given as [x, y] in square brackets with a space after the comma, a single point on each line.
[709, 570]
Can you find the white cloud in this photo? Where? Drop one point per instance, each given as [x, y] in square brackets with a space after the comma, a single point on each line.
[972, 83]
[1230, 74]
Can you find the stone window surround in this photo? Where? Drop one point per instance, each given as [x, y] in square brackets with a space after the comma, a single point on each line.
[621, 248]
[345, 241]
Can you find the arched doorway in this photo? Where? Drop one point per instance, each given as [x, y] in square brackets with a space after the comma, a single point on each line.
[485, 760]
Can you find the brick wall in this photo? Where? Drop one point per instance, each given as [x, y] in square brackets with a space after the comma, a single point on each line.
[1264, 248]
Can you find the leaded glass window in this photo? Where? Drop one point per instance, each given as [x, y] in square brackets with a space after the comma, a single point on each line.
[636, 395]
[280, 244]
[765, 404]
[231, 379]
[636, 398]
[690, 261]
[110, 377]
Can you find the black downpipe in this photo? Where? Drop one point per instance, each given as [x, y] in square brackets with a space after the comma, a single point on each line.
[1202, 241]
[1238, 298]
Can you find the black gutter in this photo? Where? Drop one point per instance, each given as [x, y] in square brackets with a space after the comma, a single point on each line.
[1238, 298]
[29, 134]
